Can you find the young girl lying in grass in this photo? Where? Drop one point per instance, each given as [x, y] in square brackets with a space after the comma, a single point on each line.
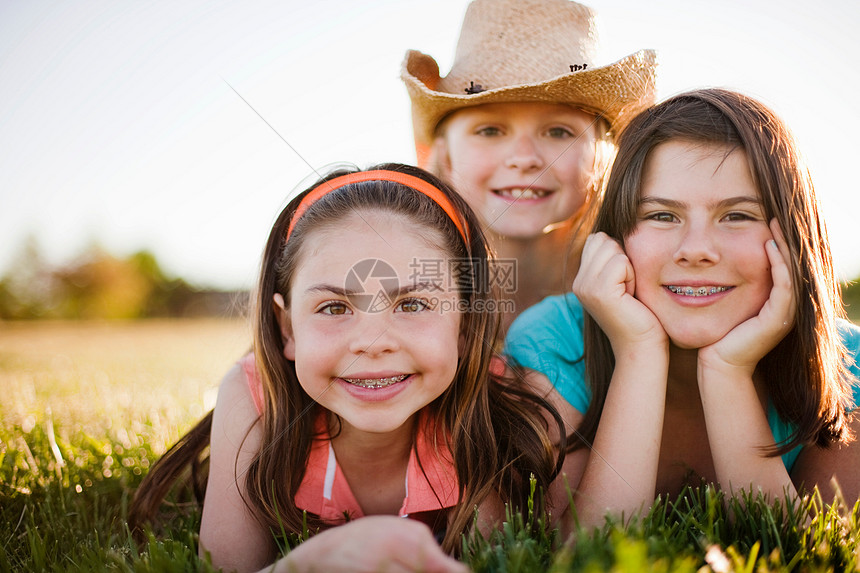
[713, 344]
[369, 392]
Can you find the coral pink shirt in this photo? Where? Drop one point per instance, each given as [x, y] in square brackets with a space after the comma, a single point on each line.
[324, 491]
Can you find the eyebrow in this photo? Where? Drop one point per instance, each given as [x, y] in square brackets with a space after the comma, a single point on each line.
[729, 202]
[425, 286]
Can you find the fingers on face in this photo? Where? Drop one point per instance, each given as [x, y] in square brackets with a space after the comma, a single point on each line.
[603, 262]
[782, 295]
[600, 249]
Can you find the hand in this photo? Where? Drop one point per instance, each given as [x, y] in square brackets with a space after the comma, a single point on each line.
[747, 343]
[605, 284]
[374, 544]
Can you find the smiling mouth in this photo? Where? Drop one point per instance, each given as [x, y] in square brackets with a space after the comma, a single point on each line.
[522, 193]
[697, 291]
[376, 382]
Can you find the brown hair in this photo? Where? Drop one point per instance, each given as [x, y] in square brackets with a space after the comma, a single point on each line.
[805, 374]
[494, 428]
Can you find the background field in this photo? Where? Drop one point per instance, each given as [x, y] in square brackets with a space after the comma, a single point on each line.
[87, 407]
[115, 376]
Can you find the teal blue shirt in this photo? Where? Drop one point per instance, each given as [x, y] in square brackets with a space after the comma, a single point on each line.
[548, 338]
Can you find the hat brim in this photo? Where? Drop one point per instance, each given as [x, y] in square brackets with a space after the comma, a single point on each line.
[617, 91]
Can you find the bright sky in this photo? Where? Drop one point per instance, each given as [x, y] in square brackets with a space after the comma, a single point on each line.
[117, 123]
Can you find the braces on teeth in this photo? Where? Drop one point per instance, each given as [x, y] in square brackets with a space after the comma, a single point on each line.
[701, 291]
[376, 382]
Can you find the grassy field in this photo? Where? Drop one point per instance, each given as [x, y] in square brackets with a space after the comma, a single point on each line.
[87, 407]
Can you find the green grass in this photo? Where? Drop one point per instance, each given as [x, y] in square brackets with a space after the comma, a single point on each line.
[87, 407]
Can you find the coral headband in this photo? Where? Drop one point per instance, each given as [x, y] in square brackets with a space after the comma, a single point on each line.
[410, 181]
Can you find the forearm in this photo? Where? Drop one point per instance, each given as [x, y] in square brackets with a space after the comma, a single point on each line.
[739, 434]
[621, 472]
[229, 532]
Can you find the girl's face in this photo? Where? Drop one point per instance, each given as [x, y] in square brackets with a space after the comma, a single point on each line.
[698, 248]
[373, 324]
[521, 166]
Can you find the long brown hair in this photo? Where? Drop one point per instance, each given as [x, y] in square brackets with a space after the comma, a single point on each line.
[495, 429]
[805, 374]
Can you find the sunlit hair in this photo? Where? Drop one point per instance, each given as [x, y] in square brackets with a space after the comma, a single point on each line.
[496, 430]
[805, 374]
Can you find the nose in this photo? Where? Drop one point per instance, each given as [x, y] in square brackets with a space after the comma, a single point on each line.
[374, 335]
[696, 245]
[524, 154]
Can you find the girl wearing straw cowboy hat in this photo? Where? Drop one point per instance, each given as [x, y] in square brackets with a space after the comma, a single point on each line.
[523, 126]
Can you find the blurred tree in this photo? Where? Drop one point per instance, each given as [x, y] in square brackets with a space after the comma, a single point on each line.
[97, 285]
[25, 290]
[168, 297]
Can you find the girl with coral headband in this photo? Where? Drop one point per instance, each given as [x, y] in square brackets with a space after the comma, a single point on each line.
[369, 391]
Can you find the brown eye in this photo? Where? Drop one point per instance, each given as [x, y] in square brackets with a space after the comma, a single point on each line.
[412, 305]
[662, 217]
[335, 308]
[738, 216]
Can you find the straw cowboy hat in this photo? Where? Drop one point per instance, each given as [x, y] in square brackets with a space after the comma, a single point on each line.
[527, 51]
